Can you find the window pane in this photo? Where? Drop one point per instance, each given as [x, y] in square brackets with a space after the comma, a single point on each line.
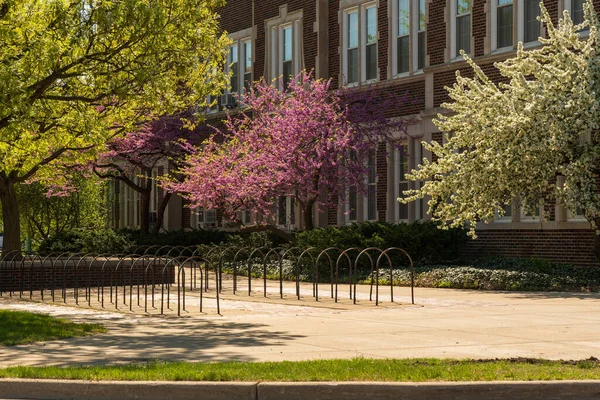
[403, 17]
[577, 11]
[233, 67]
[233, 54]
[532, 25]
[352, 66]
[402, 208]
[372, 202]
[421, 15]
[352, 203]
[287, 44]
[371, 25]
[463, 7]
[234, 79]
[210, 217]
[403, 52]
[371, 61]
[287, 74]
[505, 26]
[507, 211]
[421, 50]
[372, 167]
[247, 56]
[282, 210]
[352, 30]
[463, 34]
[247, 81]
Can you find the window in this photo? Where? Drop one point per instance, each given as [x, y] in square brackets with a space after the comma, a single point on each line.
[531, 25]
[578, 215]
[233, 68]
[528, 217]
[575, 9]
[420, 211]
[352, 49]
[360, 44]
[286, 211]
[352, 204]
[403, 39]
[371, 199]
[247, 67]
[502, 24]
[246, 217]
[462, 10]
[284, 46]
[287, 67]
[401, 167]
[409, 38]
[507, 217]
[207, 218]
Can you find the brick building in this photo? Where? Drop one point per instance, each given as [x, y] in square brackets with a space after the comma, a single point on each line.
[407, 46]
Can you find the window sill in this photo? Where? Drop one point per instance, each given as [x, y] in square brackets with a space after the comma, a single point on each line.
[530, 45]
[501, 50]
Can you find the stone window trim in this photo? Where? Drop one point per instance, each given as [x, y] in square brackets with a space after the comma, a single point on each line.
[239, 39]
[413, 39]
[451, 24]
[518, 31]
[273, 37]
[360, 6]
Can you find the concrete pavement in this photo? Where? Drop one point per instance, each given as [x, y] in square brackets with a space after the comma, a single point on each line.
[444, 323]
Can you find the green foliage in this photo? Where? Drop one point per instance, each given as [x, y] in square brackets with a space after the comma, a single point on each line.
[424, 241]
[86, 241]
[500, 274]
[175, 238]
[43, 216]
[19, 327]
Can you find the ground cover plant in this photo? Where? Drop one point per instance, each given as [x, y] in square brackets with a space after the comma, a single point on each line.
[19, 327]
[358, 369]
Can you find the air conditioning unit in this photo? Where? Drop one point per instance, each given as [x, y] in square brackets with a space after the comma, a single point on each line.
[228, 100]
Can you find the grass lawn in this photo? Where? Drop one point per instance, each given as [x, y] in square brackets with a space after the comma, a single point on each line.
[19, 327]
[358, 369]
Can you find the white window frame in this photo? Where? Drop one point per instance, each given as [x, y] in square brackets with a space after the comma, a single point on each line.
[274, 45]
[413, 38]
[241, 60]
[290, 222]
[568, 5]
[397, 181]
[572, 217]
[453, 29]
[206, 218]
[494, 24]
[369, 184]
[521, 25]
[505, 218]
[529, 218]
[362, 27]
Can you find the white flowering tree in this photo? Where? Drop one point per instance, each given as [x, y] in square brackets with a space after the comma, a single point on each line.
[533, 138]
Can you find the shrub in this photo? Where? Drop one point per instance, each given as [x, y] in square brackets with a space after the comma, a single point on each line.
[424, 241]
[186, 238]
[85, 241]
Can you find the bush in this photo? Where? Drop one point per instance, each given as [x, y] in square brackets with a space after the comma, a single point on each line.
[424, 241]
[500, 274]
[85, 241]
[186, 238]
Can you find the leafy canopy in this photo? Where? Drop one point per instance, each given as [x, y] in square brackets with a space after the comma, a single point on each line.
[532, 138]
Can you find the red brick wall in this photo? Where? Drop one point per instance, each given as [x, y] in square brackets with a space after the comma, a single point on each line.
[565, 246]
[436, 32]
[236, 15]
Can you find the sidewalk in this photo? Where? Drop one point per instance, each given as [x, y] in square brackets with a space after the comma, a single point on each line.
[443, 323]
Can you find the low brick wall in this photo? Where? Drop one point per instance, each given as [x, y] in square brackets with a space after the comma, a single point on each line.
[35, 275]
[574, 247]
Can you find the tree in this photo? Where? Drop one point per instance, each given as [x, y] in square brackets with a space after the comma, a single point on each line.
[308, 142]
[83, 205]
[134, 158]
[76, 73]
[514, 140]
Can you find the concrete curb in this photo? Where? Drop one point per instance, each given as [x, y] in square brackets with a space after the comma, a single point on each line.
[66, 389]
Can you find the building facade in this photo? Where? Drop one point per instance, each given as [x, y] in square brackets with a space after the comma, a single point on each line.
[404, 46]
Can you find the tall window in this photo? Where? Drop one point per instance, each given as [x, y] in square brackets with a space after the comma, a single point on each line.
[352, 203]
[352, 50]
[233, 68]
[287, 58]
[207, 218]
[286, 211]
[371, 43]
[531, 25]
[402, 170]
[463, 26]
[371, 200]
[421, 39]
[577, 11]
[504, 24]
[247, 67]
[403, 39]
[360, 44]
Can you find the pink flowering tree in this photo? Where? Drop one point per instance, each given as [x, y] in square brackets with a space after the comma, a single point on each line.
[132, 159]
[309, 142]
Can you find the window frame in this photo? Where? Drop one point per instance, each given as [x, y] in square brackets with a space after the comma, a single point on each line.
[361, 11]
[454, 16]
[413, 35]
[398, 162]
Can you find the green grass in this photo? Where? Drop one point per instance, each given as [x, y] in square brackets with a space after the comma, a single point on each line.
[19, 327]
[358, 369]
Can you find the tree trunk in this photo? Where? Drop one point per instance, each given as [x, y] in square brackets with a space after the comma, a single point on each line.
[597, 245]
[10, 215]
[160, 213]
[308, 215]
[145, 211]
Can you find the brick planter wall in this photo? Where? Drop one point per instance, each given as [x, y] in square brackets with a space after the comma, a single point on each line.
[574, 247]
